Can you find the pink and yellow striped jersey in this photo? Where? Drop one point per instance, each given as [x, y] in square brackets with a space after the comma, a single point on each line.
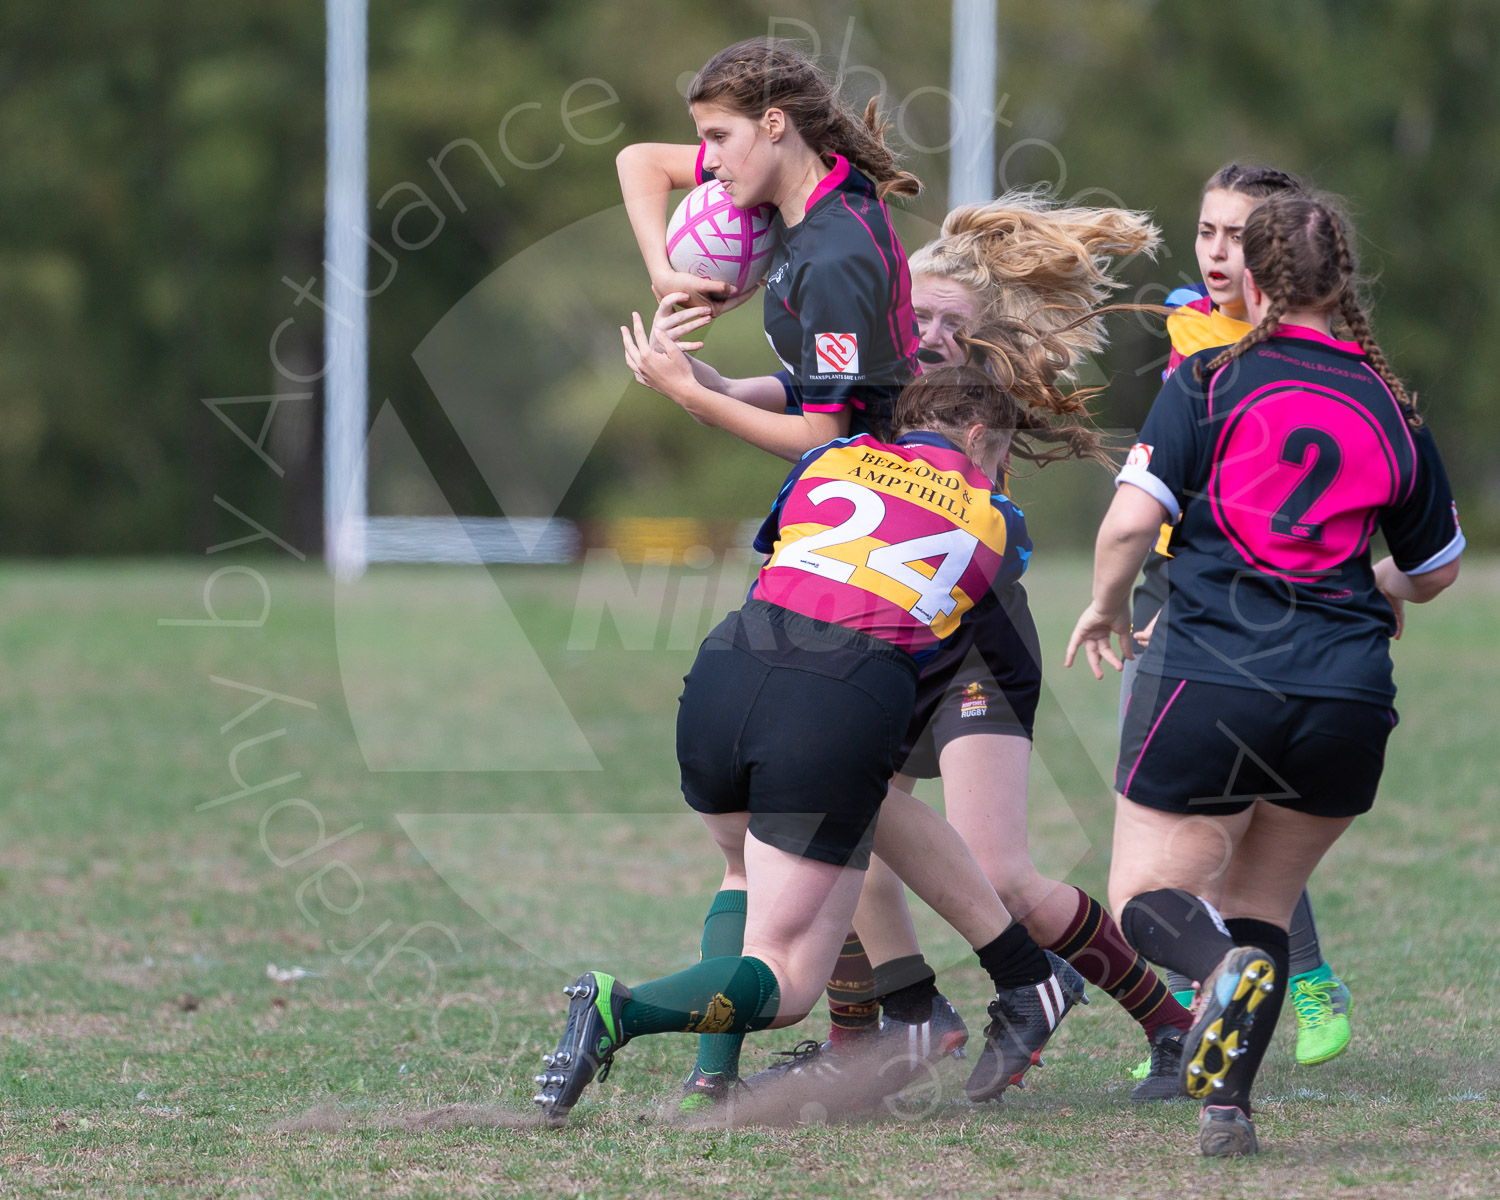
[898, 540]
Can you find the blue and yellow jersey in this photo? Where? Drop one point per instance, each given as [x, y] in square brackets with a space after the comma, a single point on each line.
[899, 540]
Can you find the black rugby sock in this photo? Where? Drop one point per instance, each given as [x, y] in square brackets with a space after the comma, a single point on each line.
[1013, 960]
[1306, 952]
[906, 987]
[1247, 931]
[1176, 929]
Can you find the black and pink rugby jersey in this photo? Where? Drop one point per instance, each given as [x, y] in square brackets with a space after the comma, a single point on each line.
[838, 301]
[1277, 468]
[899, 540]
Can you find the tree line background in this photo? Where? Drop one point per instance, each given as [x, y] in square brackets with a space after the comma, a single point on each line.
[161, 217]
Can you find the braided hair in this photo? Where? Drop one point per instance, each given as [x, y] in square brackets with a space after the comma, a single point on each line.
[1298, 249]
[752, 76]
[1259, 183]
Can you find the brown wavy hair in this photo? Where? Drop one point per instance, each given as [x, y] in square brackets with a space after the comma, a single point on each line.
[752, 76]
[1003, 387]
[1299, 249]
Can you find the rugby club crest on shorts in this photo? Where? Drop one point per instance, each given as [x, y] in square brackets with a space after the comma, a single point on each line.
[974, 702]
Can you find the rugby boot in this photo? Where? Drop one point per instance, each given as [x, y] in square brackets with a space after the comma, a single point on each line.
[1224, 1130]
[943, 1033]
[1163, 1077]
[588, 1044]
[807, 1059]
[1021, 1021]
[1228, 1000]
[1322, 1004]
[703, 1090]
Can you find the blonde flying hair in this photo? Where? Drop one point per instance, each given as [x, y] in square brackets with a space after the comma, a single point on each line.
[1029, 258]
[998, 388]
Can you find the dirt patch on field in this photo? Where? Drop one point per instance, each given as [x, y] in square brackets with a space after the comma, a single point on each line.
[867, 1086]
[27, 946]
[459, 1116]
[330, 1119]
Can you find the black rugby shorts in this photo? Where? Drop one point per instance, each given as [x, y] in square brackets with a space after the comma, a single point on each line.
[796, 721]
[985, 678]
[1193, 747]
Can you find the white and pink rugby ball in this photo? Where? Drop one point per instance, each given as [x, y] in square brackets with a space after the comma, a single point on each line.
[710, 237]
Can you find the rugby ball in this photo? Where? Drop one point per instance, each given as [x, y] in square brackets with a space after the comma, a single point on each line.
[710, 237]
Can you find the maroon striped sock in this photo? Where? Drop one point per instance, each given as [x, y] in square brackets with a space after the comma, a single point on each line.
[1099, 952]
[852, 1007]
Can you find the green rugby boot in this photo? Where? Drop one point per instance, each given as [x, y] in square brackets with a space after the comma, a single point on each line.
[704, 1090]
[1322, 1004]
[588, 1045]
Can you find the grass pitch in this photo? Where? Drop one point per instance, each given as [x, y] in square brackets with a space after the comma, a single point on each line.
[170, 833]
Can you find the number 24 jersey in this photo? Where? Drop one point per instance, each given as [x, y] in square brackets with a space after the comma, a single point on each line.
[1277, 468]
[899, 540]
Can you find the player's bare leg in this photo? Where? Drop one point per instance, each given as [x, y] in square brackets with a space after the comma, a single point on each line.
[985, 789]
[1213, 899]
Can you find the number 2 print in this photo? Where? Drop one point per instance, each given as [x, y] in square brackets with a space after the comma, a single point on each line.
[1279, 489]
[1316, 451]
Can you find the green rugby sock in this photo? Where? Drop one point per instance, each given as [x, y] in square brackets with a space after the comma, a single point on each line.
[719, 995]
[723, 935]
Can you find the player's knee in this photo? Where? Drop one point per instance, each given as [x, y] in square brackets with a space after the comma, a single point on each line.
[790, 1016]
[1020, 886]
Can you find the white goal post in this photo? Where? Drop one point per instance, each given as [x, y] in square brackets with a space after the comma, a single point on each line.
[351, 537]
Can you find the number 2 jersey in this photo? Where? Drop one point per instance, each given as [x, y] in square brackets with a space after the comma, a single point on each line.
[899, 540]
[1276, 469]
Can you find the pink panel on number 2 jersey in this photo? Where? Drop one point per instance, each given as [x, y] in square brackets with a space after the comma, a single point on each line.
[1299, 472]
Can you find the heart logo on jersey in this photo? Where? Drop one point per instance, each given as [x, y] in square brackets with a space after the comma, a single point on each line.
[838, 352]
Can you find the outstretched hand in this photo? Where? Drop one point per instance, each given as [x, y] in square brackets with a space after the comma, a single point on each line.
[659, 359]
[1093, 633]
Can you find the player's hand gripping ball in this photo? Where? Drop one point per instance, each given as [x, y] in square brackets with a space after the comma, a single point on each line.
[710, 238]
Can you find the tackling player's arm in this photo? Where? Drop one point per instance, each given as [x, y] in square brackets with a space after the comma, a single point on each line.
[759, 391]
[768, 392]
[663, 366]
